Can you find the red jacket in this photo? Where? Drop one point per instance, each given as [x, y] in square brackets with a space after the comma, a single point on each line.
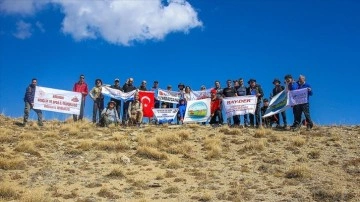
[81, 88]
[215, 105]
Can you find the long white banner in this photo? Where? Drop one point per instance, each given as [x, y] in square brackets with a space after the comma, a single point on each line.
[168, 96]
[239, 105]
[285, 100]
[117, 94]
[56, 100]
[197, 110]
[165, 115]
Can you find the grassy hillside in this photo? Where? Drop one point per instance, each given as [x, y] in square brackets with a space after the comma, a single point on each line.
[79, 162]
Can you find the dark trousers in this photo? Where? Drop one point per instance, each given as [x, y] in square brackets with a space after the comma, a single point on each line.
[256, 116]
[236, 120]
[298, 110]
[81, 115]
[218, 115]
[125, 111]
[97, 108]
[27, 109]
[283, 116]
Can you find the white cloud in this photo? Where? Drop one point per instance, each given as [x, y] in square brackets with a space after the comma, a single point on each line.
[120, 21]
[25, 7]
[23, 30]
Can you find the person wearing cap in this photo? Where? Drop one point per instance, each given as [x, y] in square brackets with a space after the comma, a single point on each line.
[241, 91]
[155, 88]
[181, 88]
[98, 98]
[82, 88]
[305, 107]
[276, 90]
[117, 86]
[143, 86]
[127, 87]
[255, 89]
[29, 103]
[215, 108]
[109, 115]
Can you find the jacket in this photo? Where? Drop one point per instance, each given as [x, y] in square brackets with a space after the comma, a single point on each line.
[81, 88]
[30, 94]
[253, 91]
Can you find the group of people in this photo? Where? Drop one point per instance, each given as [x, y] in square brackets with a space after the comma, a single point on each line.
[132, 109]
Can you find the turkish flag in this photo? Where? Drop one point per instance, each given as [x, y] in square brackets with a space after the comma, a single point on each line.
[147, 99]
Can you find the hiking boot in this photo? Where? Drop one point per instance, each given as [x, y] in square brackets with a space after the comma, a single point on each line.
[40, 124]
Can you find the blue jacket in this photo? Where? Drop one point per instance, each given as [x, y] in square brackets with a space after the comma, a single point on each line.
[293, 86]
[30, 94]
[182, 109]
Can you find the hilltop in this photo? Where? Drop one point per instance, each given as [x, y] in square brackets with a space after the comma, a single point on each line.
[67, 161]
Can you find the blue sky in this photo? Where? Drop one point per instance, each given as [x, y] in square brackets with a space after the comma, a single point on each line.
[194, 42]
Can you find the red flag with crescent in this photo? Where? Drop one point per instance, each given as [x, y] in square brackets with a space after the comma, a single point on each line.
[147, 99]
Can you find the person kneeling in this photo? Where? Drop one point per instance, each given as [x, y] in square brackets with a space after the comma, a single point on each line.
[109, 115]
[135, 111]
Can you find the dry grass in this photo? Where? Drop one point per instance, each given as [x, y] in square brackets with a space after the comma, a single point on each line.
[117, 173]
[7, 191]
[77, 161]
[35, 196]
[27, 147]
[151, 153]
[299, 172]
[262, 132]
[11, 163]
[298, 141]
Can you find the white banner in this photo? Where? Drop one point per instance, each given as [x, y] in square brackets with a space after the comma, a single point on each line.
[165, 115]
[239, 105]
[201, 94]
[277, 104]
[55, 100]
[299, 96]
[197, 110]
[168, 96]
[117, 94]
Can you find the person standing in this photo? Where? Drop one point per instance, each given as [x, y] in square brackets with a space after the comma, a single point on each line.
[82, 88]
[229, 91]
[117, 102]
[155, 88]
[241, 91]
[276, 90]
[29, 103]
[98, 98]
[255, 89]
[215, 108]
[143, 86]
[219, 92]
[127, 87]
[305, 107]
[292, 85]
